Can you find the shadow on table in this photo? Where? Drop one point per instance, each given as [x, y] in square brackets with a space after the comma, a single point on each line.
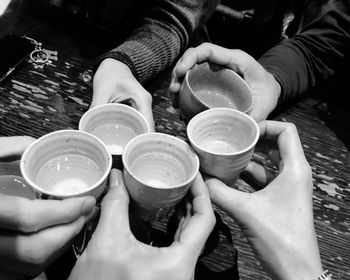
[337, 119]
[217, 261]
[219, 257]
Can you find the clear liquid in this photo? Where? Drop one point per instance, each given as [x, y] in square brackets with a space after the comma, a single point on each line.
[115, 136]
[213, 99]
[68, 174]
[218, 146]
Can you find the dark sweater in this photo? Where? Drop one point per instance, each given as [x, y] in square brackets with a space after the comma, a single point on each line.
[319, 48]
[316, 52]
[161, 36]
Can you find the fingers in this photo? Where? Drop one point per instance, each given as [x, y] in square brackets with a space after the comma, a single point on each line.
[197, 229]
[226, 198]
[115, 206]
[286, 135]
[236, 60]
[268, 147]
[204, 52]
[29, 254]
[144, 106]
[24, 215]
[14, 145]
[257, 175]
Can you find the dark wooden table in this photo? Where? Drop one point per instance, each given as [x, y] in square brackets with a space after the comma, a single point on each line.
[36, 101]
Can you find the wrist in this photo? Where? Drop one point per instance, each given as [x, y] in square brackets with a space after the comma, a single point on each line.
[326, 275]
[114, 65]
[293, 271]
[276, 89]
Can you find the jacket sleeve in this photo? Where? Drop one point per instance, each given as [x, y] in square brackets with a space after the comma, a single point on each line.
[314, 54]
[161, 36]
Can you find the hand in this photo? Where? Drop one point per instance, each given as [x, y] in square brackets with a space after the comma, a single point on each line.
[33, 233]
[114, 82]
[114, 253]
[11, 149]
[265, 88]
[14, 146]
[278, 220]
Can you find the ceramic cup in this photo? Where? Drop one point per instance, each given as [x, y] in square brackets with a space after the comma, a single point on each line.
[158, 171]
[208, 85]
[224, 140]
[66, 163]
[115, 124]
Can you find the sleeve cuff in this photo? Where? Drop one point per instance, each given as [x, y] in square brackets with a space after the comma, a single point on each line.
[282, 80]
[122, 57]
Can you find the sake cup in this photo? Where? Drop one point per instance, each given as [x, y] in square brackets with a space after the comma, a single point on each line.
[158, 171]
[208, 85]
[66, 163]
[115, 124]
[224, 140]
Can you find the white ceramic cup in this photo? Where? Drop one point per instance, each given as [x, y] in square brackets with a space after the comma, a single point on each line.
[66, 163]
[158, 171]
[224, 140]
[115, 124]
[208, 85]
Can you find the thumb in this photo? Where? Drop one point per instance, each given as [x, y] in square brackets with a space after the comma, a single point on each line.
[13, 146]
[228, 199]
[115, 206]
[145, 109]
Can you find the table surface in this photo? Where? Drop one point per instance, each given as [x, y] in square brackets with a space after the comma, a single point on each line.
[36, 101]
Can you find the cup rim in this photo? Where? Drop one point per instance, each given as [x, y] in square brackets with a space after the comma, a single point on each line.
[164, 135]
[74, 194]
[209, 111]
[234, 74]
[116, 105]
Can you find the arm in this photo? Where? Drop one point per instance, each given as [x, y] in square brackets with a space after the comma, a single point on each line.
[277, 220]
[314, 54]
[161, 36]
[34, 232]
[114, 253]
[151, 48]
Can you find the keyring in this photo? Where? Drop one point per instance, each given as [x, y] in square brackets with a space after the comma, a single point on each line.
[39, 57]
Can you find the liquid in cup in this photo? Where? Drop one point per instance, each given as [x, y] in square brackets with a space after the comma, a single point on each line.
[158, 171]
[66, 163]
[63, 175]
[115, 124]
[224, 140]
[208, 85]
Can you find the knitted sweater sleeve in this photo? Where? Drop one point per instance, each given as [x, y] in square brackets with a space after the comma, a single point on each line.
[161, 36]
[314, 54]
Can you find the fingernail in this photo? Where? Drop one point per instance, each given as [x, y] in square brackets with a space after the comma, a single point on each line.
[89, 204]
[118, 178]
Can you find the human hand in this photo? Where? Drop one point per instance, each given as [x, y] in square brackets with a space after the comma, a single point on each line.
[114, 82]
[11, 149]
[14, 146]
[33, 233]
[114, 253]
[277, 220]
[265, 88]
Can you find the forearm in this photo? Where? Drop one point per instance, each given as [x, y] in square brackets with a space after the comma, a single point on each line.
[161, 36]
[314, 54]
